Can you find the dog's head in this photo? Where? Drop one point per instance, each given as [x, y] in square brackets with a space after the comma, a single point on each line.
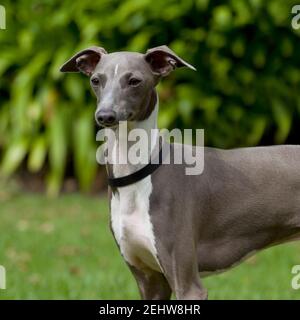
[124, 82]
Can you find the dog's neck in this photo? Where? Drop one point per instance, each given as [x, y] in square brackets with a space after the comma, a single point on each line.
[147, 125]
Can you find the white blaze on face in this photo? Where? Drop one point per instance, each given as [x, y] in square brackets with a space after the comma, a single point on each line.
[116, 70]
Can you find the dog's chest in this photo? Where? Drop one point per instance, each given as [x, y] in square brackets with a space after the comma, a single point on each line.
[131, 224]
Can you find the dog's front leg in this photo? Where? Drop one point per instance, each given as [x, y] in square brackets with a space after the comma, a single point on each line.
[152, 284]
[181, 270]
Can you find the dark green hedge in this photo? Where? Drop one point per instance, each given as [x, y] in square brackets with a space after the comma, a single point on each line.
[245, 92]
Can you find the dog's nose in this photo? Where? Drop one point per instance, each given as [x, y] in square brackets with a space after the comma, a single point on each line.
[106, 117]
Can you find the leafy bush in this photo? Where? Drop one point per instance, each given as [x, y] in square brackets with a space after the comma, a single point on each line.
[245, 91]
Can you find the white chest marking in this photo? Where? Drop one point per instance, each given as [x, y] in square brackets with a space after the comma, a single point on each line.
[132, 225]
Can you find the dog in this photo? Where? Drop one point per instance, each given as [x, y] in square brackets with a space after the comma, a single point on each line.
[171, 228]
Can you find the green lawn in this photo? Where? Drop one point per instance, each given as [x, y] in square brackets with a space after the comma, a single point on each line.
[62, 249]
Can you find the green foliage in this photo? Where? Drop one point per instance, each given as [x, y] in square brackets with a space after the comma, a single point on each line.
[245, 91]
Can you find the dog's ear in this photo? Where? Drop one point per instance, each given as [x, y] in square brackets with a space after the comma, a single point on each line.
[84, 61]
[163, 60]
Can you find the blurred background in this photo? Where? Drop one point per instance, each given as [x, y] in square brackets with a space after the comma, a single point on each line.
[245, 93]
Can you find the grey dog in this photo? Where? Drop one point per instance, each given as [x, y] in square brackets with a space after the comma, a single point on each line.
[173, 228]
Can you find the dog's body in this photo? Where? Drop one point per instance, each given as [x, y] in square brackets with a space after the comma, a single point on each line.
[170, 226]
[240, 204]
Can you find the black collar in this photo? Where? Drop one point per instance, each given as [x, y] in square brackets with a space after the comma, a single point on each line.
[137, 175]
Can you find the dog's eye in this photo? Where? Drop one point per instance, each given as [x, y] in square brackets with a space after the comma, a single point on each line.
[95, 81]
[134, 82]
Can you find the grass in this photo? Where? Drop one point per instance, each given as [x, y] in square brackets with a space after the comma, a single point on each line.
[62, 249]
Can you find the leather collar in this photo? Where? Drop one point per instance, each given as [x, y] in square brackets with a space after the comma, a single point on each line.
[137, 175]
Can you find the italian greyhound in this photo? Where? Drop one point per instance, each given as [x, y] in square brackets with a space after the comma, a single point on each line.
[173, 228]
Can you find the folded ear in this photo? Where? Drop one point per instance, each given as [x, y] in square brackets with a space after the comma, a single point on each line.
[84, 61]
[163, 60]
